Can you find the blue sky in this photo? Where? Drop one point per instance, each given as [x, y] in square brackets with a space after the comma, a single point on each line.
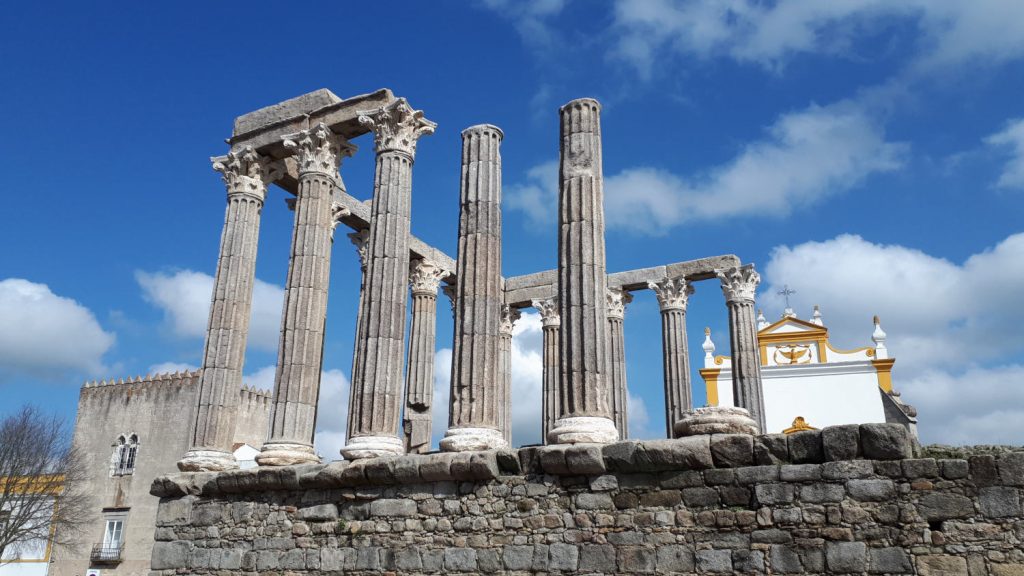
[868, 154]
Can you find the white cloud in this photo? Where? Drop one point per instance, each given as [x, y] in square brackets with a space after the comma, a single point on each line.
[171, 367]
[44, 335]
[332, 414]
[1012, 138]
[638, 421]
[184, 297]
[806, 156]
[531, 20]
[950, 32]
[953, 328]
[262, 379]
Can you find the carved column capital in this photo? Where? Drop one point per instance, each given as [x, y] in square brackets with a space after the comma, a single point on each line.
[450, 291]
[673, 293]
[617, 300]
[509, 315]
[397, 127]
[319, 150]
[337, 213]
[424, 277]
[245, 172]
[548, 309]
[739, 283]
[361, 240]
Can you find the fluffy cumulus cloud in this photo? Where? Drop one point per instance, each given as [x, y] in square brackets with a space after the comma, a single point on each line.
[954, 328]
[805, 156]
[769, 34]
[1011, 139]
[332, 414]
[184, 298]
[47, 336]
[531, 19]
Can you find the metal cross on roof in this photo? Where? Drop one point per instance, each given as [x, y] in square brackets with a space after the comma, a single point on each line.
[786, 291]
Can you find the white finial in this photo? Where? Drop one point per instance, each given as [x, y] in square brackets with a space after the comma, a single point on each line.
[709, 349]
[762, 323]
[788, 313]
[878, 337]
[816, 317]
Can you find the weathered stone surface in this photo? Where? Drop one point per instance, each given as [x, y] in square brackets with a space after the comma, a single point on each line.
[319, 513]
[714, 561]
[847, 470]
[889, 561]
[597, 558]
[885, 442]
[1000, 502]
[563, 557]
[785, 560]
[732, 450]
[846, 557]
[943, 506]
[941, 565]
[675, 558]
[871, 490]
[841, 442]
[771, 449]
[585, 459]
[170, 555]
[1011, 469]
[805, 447]
[690, 453]
[920, 468]
[460, 559]
[818, 493]
[393, 507]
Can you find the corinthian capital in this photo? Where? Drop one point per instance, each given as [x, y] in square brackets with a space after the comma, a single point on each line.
[739, 284]
[425, 277]
[361, 240]
[244, 171]
[509, 315]
[396, 126]
[319, 149]
[673, 293]
[617, 299]
[337, 213]
[548, 309]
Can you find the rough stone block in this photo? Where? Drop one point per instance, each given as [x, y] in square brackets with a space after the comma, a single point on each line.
[871, 490]
[682, 479]
[436, 467]
[983, 470]
[846, 557]
[690, 453]
[170, 555]
[674, 558]
[1007, 569]
[1011, 468]
[719, 476]
[597, 558]
[589, 501]
[620, 456]
[585, 459]
[563, 557]
[393, 507]
[771, 494]
[604, 483]
[954, 469]
[889, 561]
[277, 477]
[1000, 502]
[748, 561]
[333, 559]
[637, 560]
[819, 493]
[805, 447]
[944, 506]
[237, 481]
[941, 565]
[552, 460]
[407, 470]
[406, 559]
[517, 557]
[771, 449]
[460, 559]
[800, 472]
[920, 468]
[660, 499]
[508, 462]
[841, 442]
[294, 559]
[732, 450]
[885, 442]
[848, 469]
[319, 513]
[771, 536]
[175, 512]
[757, 474]
[784, 560]
[700, 497]
[735, 495]
[714, 561]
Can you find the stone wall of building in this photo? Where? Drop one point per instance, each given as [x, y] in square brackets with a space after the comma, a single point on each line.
[846, 500]
[157, 410]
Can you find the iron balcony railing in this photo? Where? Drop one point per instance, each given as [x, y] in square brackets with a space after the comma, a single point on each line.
[106, 554]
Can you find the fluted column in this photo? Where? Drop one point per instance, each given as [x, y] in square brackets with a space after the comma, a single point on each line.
[424, 279]
[475, 414]
[361, 240]
[548, 309]
[377, 385]
[673, 294]
[584, 411]
[509, 316]
[617, 301]
[213, 426]
[739, 286]
[318, 152]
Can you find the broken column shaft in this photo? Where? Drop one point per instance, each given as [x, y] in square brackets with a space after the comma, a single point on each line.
[424, 279]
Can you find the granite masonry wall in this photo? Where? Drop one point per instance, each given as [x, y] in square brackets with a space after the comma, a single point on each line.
[845, 500]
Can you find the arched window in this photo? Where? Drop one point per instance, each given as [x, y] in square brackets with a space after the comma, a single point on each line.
[124, 455]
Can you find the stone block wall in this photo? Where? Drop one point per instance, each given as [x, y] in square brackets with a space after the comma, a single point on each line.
[849, 500]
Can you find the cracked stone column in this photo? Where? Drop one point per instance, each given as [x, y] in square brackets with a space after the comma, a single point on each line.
[213, 426]
[673, 295]
[475, 412]
[509, 316]
[548, 309]
[739, 286]
[424, 279]
[617, 301]
[583, 383]
[377, 383]
[318, 152]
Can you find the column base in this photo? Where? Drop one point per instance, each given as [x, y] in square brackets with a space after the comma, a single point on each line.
[715, 420]
[372, 447]
[583, 429]
[200, 460]
[472, 439]
[286, 454]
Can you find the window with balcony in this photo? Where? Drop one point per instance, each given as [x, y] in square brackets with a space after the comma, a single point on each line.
[108, 551]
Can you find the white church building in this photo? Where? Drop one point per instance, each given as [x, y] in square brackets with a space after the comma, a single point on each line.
[808, 382]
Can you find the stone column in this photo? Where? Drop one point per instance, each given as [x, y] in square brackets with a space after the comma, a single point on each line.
[213, 426]
[361, 240]
[549, 392]
[617, 301]
[509, 316]
[377, 384]
[739, 286]
[297, 381]
[673, 294]
[475, 413]
[584, 411]
[424, 279]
